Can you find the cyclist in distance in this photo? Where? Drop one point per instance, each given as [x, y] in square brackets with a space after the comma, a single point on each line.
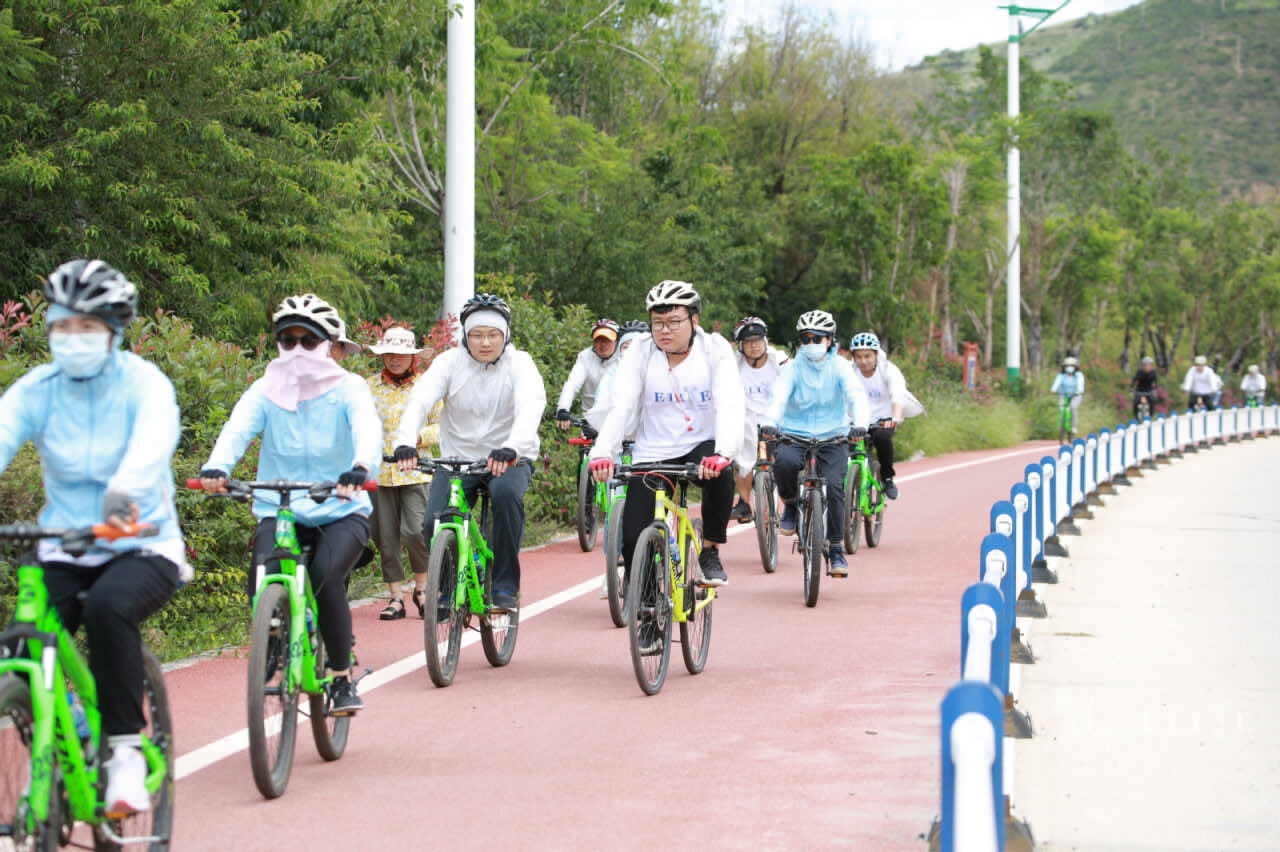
[588, 370]
[1144, 384]
[1069, 386]
[493, 401]
[629, 332]
[105, 424]
[887, 393]
[814, 399]
[758, 365]
[318, 423]
[1254, 385]
[679, 395]
[1201, 383]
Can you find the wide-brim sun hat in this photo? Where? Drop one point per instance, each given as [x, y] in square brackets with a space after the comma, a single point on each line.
[396, 341]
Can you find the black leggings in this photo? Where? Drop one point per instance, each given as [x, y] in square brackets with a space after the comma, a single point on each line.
[121, 594]
[337, 546]
[883, 441]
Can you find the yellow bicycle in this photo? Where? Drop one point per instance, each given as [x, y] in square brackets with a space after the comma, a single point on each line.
[663, 587]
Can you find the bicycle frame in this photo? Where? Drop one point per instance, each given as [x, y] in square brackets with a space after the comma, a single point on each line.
[473, 551]
[860, 457]
[664, 508]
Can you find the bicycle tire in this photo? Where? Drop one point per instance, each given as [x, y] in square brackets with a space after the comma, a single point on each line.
[498, 629]
[17, 720]
[157, 822]
[813, 544]
[271, 696]
[588, 520]
[649, 597]
[852, 508]
[614, 565]
[695, 630]
[329, 732]
[765, 506]
[873, 522]
[442, 575]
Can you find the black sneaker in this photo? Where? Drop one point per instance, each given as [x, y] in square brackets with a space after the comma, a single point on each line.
[787, 523]
[343, 698]
[650, 639]
[741, 512]
[711, 572]
[890, 490]
[506, 600]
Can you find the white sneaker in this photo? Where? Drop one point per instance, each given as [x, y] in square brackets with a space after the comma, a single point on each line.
[126, 782]
[604, 588]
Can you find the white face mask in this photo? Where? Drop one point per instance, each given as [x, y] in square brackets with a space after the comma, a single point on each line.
[814, 351]
[80, 356]
[1069, 370]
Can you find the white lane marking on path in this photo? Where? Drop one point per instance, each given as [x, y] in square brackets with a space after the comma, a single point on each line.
[220, 749]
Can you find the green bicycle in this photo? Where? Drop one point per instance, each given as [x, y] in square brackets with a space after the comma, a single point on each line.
[593, 497]
[1066, 429]
[460, 578]
[51, 775]
[864, 498]
[663, 586]
[614, 565]
[286, 649]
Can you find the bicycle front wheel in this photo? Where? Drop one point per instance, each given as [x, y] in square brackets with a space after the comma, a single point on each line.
[273, 700]
[814, 543]
[588, 518]
[17, 723]
[695, 630]
[765, 506]
[498, 627]
[649, 609]
[853, 511]
[614, 565]
[443, 621]
[329, 732]
[157, 822]
[874, 521]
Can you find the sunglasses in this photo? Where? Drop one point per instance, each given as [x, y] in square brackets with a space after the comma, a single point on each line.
[308, 341]
[813, 338]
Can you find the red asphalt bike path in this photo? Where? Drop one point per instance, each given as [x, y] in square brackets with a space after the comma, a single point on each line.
[809, 728]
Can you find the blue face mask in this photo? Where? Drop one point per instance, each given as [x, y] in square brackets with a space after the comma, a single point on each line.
[814, 351]
[80, 356]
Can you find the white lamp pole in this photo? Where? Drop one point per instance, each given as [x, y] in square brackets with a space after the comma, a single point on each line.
[460, 157]
[1013, 253]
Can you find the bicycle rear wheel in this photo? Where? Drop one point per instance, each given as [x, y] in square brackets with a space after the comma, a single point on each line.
[273, 701]
[814, 543]
[853, 512]
[695, 630]
[874, 520]
[17, 722]
[649, 609]
[765, 506]
[443, 621]
[614, 566]
[157, 822]
[498, 628]
[329, 732]
[588, 517]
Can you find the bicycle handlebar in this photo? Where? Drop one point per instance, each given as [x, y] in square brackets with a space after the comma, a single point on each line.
[239, 489]
[688, 470]
[76, 540]
[427, 464]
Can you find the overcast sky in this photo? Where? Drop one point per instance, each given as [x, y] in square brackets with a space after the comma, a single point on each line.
[902, 32]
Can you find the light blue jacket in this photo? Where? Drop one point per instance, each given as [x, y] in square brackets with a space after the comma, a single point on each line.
[320, 441]
[817, 400]
[114, 431]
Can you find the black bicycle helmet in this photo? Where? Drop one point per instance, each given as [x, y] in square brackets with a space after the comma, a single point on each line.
[633, 327]
[750, 327]
[94, 288]
[484, 302]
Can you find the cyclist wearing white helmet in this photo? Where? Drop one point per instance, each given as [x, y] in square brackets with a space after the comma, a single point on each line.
[887, 389]
[1254, 385]
[1201, 384]
[1144, 384]
[678, 394]
[813, 398]
[588, 370]
[1069, 386]
[758, 365]
[105, 425]
[317, 422]
[493, 401]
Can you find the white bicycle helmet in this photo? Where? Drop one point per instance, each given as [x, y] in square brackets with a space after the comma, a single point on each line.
[670, 294]
[309, 311]
[864, 340]
[94, 288]
[750, 327]
[820, 322]
[1070, 361]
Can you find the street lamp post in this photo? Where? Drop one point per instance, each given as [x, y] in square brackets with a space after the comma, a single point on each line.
[1013, 275]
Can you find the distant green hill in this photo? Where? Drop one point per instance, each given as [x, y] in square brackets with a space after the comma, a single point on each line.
[1201, 77]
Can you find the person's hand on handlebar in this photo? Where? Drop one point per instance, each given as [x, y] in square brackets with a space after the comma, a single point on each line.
[711, 466]
[601, 469]
[118, 509]
[406, 458]
[213, 481]
[501, 459]
[350, 482]
[770, 433]
[563, 418]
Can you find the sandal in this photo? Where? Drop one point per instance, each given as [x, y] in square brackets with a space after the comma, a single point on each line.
[393, 610]
[420, 601]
